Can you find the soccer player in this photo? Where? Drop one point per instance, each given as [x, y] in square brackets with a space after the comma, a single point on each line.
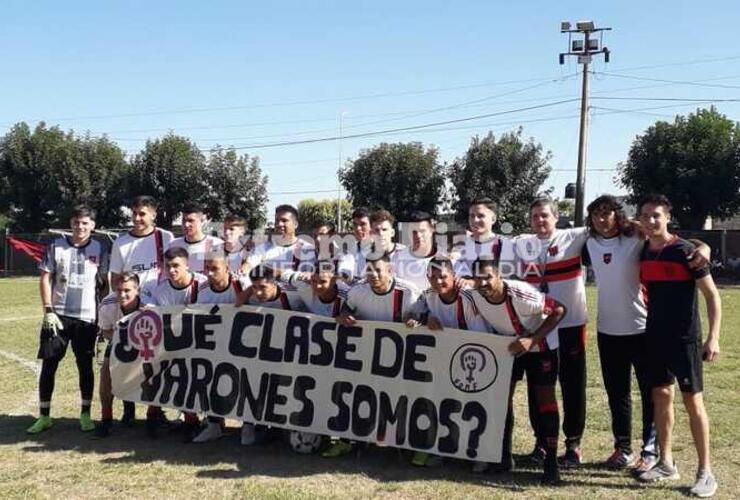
[180, 288]
[551, 261]
[284, 250]
[141, 250]
[518, 309]
[445, 306]
[123, 301]
[235, 227]
[413, 261]
[481, 243]
[72, 269]
[221, 288]
[194, 240]
[674, 339]
[321, 293]
[352, 263]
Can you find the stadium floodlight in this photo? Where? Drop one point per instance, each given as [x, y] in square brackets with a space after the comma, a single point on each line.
[585, 26]
[593, 44]
[606, 54]
[564, 26]
[576, 46]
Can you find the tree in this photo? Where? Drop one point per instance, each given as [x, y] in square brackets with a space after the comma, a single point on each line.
[510, 171]
[695, 161]
[236, 186]
[46, 172]
[398, 177]
[173, 170]
[312, 213]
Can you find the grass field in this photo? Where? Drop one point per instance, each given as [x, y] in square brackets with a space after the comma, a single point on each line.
[63, 462]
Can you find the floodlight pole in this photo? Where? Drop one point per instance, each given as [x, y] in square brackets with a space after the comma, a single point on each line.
[584, 57]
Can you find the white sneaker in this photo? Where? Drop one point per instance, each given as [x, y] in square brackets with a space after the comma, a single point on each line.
[211, 433]
[248, 434]
[705, 485]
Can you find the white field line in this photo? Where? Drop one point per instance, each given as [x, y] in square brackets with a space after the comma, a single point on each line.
[33, 398]
[20, 318]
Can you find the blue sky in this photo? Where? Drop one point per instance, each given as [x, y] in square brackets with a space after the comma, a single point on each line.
[249, 74]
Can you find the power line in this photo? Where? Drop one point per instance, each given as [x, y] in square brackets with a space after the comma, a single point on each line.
[673, 82]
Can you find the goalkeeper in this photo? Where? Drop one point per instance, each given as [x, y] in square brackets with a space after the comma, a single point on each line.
[71, 271]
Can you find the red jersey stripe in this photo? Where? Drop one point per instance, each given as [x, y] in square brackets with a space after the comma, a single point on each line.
[661, 270]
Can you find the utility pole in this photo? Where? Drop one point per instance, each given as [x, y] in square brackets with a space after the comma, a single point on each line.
[584, 48]
[339, 184]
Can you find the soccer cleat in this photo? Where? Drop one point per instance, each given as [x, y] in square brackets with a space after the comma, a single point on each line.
[571, 459]
[152, 424]
[705, 485]
[551, 474]
[644, 464]
[337, 449]
[102, 430]
[537, 456]
[211, 432]
[661, 472]
[40, 425]
[505, 465]
[620, 459]
[420, 459]
[128, 418]
[434, 461]
[86, 423]
[189, 431]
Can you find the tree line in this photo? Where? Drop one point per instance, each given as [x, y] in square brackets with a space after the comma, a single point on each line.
[694, 160]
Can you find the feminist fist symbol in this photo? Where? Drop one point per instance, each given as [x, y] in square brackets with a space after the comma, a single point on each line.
[145, 332]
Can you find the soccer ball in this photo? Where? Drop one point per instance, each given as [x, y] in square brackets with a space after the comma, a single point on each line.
[305, 443]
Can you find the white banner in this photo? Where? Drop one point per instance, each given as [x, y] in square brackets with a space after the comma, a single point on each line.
[441, 392]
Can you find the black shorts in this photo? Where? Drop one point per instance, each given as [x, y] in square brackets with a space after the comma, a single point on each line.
[541, 368]
[80, 334]
[677, 361]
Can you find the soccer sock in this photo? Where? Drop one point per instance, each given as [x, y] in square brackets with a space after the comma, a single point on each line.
[45, 408]
[129, 408]
[549, 422]
[107, 413]
[46, 384]
[191, 418]
[85, 406]
[87, 379]
[153, 412]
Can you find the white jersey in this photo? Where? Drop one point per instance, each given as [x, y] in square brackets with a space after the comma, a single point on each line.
[198, 250]
[287, 300]
[521, 312]
[235, 260]
[621, 297]
[143, 255]
[461, 313]
[497, 248]
[75, 272]
[411, 268]
[392, 305]
[354, 265]
[555, 267]
[109, 312]
[314, 304]
[298, 256]
[207, 295]
[166, 294]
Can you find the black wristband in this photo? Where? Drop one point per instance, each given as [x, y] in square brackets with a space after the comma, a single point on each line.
[48, 309]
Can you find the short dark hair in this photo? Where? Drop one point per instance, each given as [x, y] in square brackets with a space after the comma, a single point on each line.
[608, 202]
[80, 211]
[360, 213]
[287, 208]
[382, 215]
[129, 276]
[262, 273]
[440, 263]
[421, 216]
[656, 199]
[327, 224]
[325, 266]
[176, 252]
[144, 200]
[235, 220]
[192, 208]
[544, 201]
[485, 201]
[480, 264]
[384, 257]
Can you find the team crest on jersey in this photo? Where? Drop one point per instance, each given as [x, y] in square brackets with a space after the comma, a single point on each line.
[553, 251]
[93, 259]
[607, 258]
[473, 368]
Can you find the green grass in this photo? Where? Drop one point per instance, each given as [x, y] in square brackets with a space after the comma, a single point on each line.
[64, 462]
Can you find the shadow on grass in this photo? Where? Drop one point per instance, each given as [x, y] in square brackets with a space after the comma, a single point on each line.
[227, 459]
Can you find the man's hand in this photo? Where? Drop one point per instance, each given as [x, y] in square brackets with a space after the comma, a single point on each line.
[346, 320]
[522, 345]
[52, 322]
[701, 256]
[434, 324]
[412, 323]
[463, 283]
[711, 350]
